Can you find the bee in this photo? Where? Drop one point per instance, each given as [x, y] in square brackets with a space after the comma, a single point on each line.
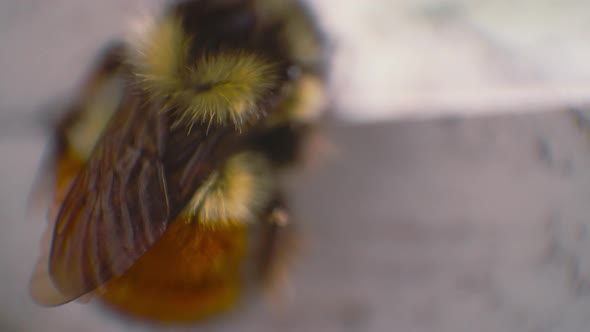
[170, 158]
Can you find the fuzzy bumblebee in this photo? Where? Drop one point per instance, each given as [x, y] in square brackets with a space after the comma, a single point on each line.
[169, 160]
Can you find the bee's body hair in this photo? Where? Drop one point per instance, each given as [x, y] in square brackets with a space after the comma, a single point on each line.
[238, 193]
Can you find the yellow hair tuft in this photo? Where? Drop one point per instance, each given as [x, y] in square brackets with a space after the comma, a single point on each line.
[160, 57]
[236, 194]
[218, 88]
[224, 87]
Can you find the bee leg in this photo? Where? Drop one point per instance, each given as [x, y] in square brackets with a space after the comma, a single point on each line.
[59, 120]
[280, 243]
[107, 63]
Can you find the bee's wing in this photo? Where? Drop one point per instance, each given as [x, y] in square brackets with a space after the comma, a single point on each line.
[117, 206]
[141, 174]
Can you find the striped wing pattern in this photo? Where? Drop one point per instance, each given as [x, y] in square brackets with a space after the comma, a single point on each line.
[117, 206]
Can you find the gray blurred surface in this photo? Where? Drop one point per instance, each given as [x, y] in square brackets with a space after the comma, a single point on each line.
[443, 225]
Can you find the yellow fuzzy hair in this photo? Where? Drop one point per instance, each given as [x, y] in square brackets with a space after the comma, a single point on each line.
[218, 88]
[160, 55]
[235, 194]
[232, 85]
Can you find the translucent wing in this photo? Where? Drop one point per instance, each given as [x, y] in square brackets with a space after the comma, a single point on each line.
[139, 177]
[117, 206]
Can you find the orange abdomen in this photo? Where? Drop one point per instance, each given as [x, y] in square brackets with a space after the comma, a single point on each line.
[191, 272]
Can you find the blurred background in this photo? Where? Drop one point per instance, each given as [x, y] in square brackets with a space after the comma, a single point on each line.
[455, 197]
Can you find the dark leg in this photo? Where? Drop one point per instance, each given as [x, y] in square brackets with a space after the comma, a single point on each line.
[279, 244]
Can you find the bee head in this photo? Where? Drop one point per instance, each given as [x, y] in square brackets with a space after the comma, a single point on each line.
[205, 61]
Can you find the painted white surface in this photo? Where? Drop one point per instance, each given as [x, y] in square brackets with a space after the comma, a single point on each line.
[410, 58]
